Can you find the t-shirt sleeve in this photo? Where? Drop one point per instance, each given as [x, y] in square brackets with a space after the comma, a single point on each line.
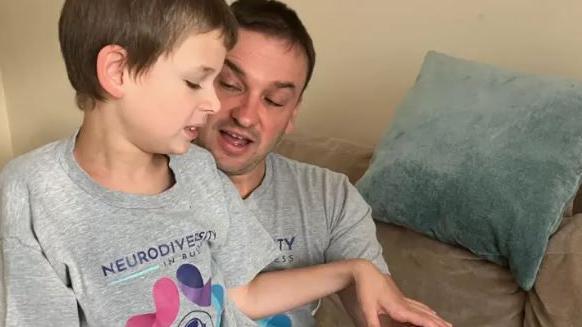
[352, 230]
[248, 247]
[31, 290]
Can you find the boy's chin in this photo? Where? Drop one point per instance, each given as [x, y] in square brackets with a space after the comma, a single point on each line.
[181, 150]
[178, 148]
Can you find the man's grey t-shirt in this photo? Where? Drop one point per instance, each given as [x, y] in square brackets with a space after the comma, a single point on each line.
[75, 253]
[315, 216]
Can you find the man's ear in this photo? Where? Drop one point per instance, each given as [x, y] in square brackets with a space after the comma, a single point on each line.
[111, 64]
[291, 123]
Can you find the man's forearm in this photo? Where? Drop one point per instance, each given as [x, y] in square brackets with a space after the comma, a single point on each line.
[275, 292]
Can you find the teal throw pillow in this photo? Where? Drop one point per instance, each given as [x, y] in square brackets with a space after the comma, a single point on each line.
[483, 158]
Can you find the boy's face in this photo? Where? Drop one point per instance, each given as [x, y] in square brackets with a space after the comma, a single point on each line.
[260, 89]
[161, 110]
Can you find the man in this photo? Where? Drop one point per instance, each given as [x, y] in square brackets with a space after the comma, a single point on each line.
[314, 215]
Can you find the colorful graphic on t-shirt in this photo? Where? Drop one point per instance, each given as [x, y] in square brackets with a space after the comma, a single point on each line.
[192, 285]
[218, 302]
[275, 321]
[197, 319]
[167, 301]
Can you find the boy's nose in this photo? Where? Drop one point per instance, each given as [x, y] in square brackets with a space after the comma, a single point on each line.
[213, 102]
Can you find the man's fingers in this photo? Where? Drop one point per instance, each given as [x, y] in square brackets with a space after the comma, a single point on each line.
[420, 304]
[417, 314]
[429, 318]
[372, 318]
[422, 308]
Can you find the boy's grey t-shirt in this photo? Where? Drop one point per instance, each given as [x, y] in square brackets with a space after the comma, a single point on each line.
[315, 216]
[75, 253]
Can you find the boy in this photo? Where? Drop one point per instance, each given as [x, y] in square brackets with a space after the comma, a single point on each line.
[110, 226]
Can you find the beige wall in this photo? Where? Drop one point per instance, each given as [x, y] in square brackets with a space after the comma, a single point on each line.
[369, 53]
[5, 139]
[38, 96]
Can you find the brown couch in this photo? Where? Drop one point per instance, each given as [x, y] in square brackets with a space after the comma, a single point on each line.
[464, 289]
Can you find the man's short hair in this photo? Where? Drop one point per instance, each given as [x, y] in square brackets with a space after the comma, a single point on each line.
[146, 29]
[274, 18]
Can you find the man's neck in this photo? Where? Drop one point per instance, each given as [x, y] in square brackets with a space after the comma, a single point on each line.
[248, 182]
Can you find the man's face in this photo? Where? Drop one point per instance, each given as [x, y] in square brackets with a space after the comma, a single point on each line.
[259, 90]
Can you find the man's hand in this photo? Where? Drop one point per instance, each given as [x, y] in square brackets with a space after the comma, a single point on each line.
[377, 295]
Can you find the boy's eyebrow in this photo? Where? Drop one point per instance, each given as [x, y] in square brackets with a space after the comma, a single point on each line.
[202, 71]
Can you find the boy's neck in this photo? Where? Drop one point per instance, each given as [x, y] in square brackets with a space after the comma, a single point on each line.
[111, 160]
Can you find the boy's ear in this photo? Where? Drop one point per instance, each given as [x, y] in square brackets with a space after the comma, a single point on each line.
[111, 64]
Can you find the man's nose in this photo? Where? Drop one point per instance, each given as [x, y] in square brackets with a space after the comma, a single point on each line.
[247, 112]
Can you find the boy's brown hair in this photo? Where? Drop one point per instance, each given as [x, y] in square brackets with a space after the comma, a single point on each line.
[146, 29]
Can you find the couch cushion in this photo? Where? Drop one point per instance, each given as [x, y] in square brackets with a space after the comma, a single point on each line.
[331, 313]
[483, 158]
[462, 288]
[556, 297]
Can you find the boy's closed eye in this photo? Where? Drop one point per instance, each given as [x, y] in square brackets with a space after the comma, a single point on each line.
[192, 85]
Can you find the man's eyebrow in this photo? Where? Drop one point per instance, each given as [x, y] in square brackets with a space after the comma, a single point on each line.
[237, 70]
[234, 67]
[285, 85]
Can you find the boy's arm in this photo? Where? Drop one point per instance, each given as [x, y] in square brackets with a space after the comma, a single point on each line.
[280, 291]
[32, 292]
[277, 292]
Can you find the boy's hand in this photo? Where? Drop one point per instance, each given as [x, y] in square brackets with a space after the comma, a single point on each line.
[378, 295]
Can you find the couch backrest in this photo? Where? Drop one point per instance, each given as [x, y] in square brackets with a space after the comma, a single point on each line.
[335, 154]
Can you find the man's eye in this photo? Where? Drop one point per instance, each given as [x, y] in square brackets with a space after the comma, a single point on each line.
[193, 86]
[273, 103]
[228, 86]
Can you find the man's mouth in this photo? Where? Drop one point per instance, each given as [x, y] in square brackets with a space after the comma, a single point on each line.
[235, 139]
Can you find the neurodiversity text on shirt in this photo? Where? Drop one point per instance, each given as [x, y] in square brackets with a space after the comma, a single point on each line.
[153, 253]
